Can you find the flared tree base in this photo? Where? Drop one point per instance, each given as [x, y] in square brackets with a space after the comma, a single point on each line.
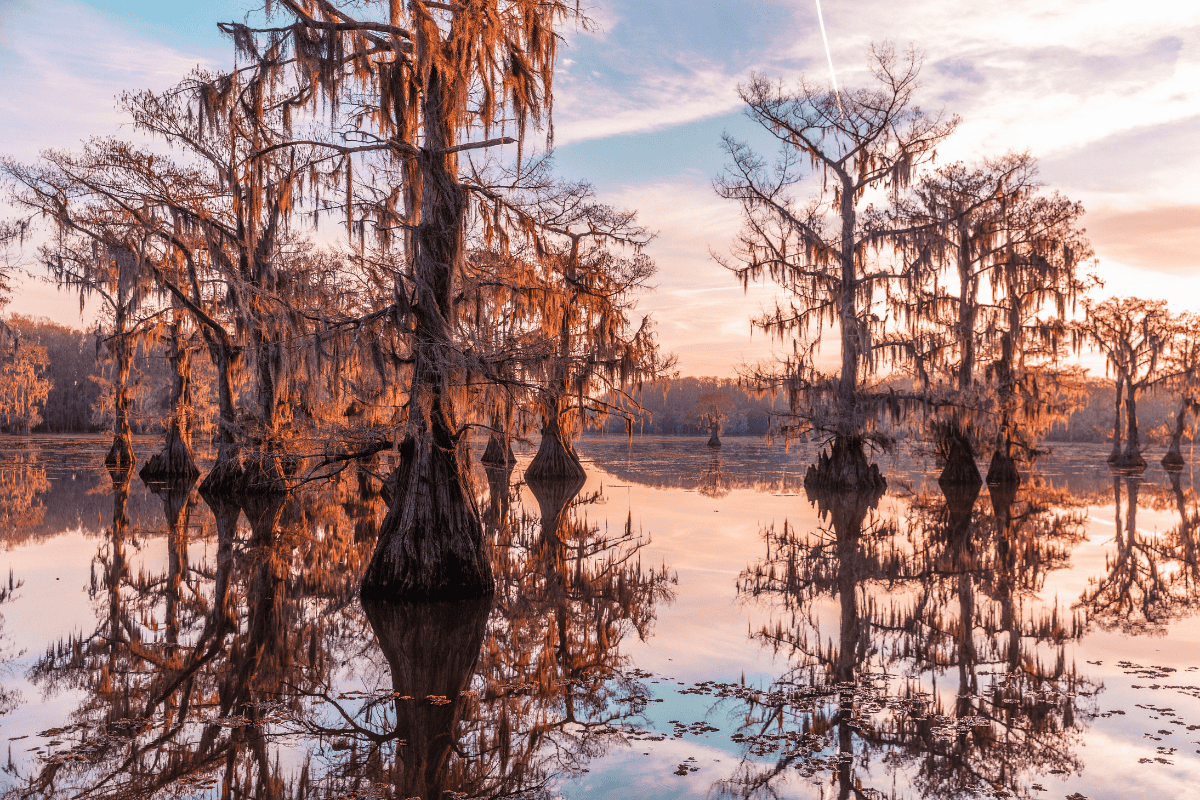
[555, 460]
[498, 452]
[714, 441]
[844, 468]
[243, 472]
[960, 468]
[120, 455]
[431, 544]
[174, 462]
[1130, 460]
[1002, 471]
[1173, 460]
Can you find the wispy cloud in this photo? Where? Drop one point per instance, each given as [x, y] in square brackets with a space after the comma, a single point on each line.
[69, 63]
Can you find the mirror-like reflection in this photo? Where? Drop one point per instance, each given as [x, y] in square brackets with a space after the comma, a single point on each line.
[227, 672]
[934, 598]
[927, 642]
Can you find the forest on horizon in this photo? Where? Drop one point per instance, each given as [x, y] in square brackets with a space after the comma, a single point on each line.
[79, 397]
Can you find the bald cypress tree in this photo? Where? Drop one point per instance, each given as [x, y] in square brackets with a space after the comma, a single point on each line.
[821, 251]
[428, 82]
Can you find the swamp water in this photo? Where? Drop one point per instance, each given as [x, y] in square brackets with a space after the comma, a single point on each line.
[686, 624]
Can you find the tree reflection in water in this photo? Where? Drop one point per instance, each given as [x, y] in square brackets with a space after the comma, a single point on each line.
[1151, 579]
[949, 589]
[228, 673]
[714, 482]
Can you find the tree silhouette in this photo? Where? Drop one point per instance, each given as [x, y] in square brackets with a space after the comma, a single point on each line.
[712, 409]
[821, 252]
[1134, 335]
[1183, 361]
[992, 269]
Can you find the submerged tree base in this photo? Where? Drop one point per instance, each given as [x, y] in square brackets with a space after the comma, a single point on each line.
[1003, 470]
[555, 460]
[844, 468]
[714, 441]
[120, 455]
[958, 453]
[1173, 460]
[243, 472]
[498, 451]
[174, 462]
[1130, 459]
[431, 544]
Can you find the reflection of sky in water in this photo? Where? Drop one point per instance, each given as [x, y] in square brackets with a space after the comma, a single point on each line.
[702, 515]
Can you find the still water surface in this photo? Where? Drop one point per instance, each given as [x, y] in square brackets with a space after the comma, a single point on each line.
[687, 624]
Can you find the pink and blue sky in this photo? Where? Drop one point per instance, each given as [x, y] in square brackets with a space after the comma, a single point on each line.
[1106, 94]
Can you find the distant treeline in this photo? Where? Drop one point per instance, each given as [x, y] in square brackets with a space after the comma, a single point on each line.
[676, 408]
[1094, 421]
[79, 399]
[677, 411]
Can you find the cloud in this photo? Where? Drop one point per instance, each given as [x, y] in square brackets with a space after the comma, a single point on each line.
[70, 62]
[1163, 239]
[668, 63]
[1147, 165]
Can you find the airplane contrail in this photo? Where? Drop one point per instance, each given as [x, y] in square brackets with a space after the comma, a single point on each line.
[829, 55]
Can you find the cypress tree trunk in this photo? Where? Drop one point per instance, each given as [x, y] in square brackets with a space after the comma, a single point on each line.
[432, 650]
[498, 451]
[714, 439]
[1002, 471]
[844, 467]
[958, 453]
[1173, 460]
[120, 455]
[1116, 448]
[556, 458]
[176, 459]
[431, 543]
[1131, 457]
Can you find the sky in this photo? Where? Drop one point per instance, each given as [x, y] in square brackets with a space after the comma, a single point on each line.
[1105, 94]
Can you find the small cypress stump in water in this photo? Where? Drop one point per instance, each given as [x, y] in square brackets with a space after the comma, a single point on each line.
[960, 468]
[844, 468]
[1131, 459]
[120, 455]
[498, 451]
[241, 472]
[714, 441]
